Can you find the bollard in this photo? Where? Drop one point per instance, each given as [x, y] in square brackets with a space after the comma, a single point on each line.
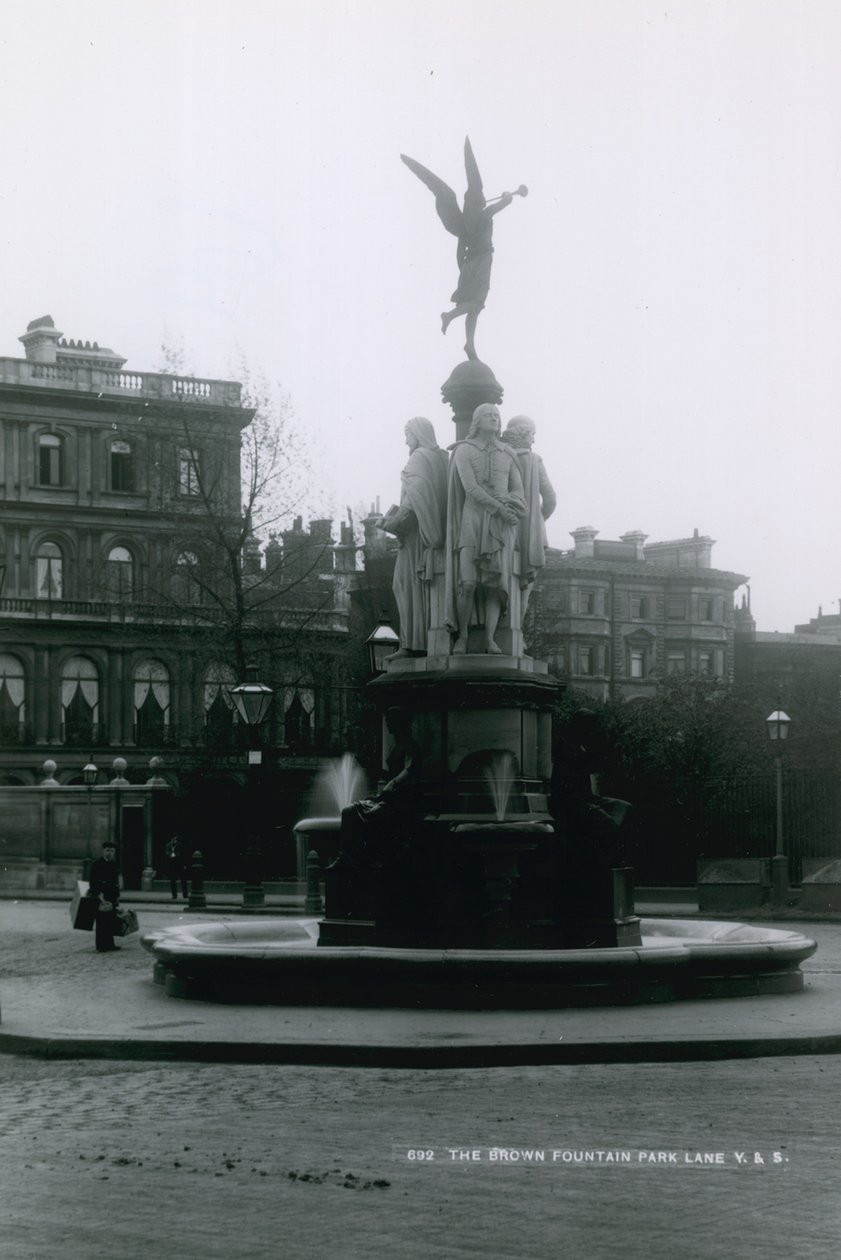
[313, 903]
[198, 901]
[253, 895]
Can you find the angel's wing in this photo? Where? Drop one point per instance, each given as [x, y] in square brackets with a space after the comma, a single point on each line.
[472, 170]
[446, 202]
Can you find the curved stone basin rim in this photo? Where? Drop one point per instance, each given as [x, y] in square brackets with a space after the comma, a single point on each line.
[664, 941]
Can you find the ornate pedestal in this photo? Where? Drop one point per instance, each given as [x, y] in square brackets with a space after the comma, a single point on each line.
[478, 865]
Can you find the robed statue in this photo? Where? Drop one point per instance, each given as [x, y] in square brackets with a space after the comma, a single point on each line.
[473, 226]
[419, 523]
[485, 505]
[541, 502]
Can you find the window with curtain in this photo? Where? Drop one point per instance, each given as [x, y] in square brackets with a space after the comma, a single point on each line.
[80, 701]
[119, 574]
[12, 698]
[219, 710]
[298, 716]
[50, 460]
[122, 465]
[49, 571]
[151, 702]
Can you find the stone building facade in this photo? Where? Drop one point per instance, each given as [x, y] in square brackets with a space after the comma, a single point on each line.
[109, 646]
[614, 618]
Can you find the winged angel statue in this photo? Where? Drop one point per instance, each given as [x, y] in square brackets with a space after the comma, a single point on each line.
[473, 225]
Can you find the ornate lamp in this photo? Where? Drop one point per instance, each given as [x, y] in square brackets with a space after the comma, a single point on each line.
[381, 643]
[252, 698]
[778, 724]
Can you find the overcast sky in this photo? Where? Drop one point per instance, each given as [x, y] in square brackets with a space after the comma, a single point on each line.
[224, 175]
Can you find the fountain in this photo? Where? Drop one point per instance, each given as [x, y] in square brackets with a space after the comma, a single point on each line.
[482, 872]
[337, 785]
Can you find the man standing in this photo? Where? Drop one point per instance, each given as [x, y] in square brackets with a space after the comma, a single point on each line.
[485, 504]
[541, 502]
[105, 885]
[176, 868]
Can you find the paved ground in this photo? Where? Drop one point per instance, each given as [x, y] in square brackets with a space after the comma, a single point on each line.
[253, 1162]
[199, 1161]
[59, 996]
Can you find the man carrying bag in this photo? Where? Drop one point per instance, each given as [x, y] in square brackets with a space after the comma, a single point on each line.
[105, 886]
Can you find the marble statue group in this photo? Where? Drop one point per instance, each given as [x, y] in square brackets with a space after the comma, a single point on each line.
[471, 536]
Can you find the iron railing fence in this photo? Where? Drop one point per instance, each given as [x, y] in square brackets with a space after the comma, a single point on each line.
[675, 823]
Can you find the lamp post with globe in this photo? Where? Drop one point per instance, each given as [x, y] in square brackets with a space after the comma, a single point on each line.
[779, 724]
[252, 700]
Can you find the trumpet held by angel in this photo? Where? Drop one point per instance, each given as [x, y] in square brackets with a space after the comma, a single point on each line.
[472, 225]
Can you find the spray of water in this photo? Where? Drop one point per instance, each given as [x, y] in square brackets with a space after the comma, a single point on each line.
[499, 775]
[338, 784]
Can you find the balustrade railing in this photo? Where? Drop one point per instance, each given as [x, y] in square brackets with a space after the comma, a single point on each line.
[158, 385]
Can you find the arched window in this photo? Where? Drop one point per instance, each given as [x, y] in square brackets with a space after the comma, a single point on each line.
[151, 702]
[219, 711]
[122, 466]
[50, 460]
[12, 699]
[119, 574]
[80, 701]
[48, 571]
[298, 716]
[185, 587]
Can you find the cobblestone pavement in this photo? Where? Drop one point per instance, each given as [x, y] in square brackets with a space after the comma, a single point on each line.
[186, 1161]
[205, 1161]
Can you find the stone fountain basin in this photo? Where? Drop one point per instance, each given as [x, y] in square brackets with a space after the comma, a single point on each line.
[279, 961]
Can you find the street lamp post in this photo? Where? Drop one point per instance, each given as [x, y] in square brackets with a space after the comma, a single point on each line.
[778, 724]
[89, 773]
[119, 766]
[252, 700]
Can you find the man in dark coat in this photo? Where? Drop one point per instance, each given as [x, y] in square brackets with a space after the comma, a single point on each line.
[176, 867]
[105, 884]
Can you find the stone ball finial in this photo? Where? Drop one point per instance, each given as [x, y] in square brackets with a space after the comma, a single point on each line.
[119, 765]
[50, 768]
[156, 765]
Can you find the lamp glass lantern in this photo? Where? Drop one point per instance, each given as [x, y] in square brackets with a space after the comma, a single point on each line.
[89, 773]
[252, 698]
[381, 643]
[778, 724]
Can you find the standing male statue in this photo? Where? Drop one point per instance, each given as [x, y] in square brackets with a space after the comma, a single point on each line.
[473, 225]
[419, 524]
[485, 504]
[541, 502]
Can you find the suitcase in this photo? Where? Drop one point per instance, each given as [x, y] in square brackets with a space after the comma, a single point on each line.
[83, 907]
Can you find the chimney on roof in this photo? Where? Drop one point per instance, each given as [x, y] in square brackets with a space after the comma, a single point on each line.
[40, 340]
[637, 537]
[585, 541]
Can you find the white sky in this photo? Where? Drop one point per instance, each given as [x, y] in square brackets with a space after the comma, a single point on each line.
[665, 304]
